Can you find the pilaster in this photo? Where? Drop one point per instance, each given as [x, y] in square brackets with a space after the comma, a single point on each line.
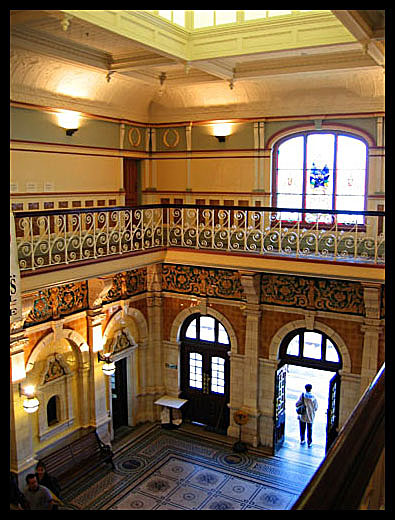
[99, 398]
[153, 359]
[372, 328]
[250, 282]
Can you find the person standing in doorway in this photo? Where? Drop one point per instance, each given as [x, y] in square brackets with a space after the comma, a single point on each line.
[306, 419]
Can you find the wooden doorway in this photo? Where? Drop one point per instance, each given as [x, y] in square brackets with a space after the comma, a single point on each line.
[205, 372]
[119, 395]
[131, 182]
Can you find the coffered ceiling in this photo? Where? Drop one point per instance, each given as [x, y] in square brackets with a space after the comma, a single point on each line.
[134, 65]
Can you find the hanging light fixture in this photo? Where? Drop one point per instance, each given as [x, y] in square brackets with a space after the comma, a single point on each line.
[108, 366]
[31, 403]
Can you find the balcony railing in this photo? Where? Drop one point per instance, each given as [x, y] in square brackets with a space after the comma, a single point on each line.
[53, 238]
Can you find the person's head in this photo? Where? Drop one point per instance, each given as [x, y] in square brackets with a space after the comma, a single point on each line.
[40, 469]
[308, 388]
[32, 481]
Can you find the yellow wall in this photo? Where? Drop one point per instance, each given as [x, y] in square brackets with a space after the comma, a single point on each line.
[224, 175]
[67, 172]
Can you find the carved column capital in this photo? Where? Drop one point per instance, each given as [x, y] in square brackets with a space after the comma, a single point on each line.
[97, 290]
[251, 286]
[95, 318]
[372, 299]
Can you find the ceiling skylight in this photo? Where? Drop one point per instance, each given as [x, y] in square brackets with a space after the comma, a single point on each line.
[199, 19]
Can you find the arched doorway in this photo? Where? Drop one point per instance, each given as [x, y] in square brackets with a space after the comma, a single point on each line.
[205, 372]
[315, 350]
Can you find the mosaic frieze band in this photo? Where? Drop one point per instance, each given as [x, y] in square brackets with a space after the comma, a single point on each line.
[201, 281]
[58, 301]
[127, 284]
[283, 290]
[313, 293]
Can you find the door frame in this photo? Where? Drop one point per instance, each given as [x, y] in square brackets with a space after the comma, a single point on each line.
[208, 350]
[306, 362]
[123, 370]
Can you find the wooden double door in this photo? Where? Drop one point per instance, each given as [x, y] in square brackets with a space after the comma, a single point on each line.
[205, 384]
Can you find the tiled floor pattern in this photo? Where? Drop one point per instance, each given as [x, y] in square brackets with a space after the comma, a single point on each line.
[180, 484]
[158, 469]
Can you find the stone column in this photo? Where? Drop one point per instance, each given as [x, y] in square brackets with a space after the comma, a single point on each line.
[22, 459]
[253, 314]
[371, 328]
[266, 401]
[99, 386]
[154, 355]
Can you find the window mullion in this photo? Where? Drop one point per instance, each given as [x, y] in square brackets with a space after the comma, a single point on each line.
[334, 181]
[304, 176]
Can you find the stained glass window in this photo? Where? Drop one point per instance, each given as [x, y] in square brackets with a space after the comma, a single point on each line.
[323, 171]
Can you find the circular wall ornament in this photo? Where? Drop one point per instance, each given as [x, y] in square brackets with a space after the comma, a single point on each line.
[134, 137]
[240, 417]
[175, 137]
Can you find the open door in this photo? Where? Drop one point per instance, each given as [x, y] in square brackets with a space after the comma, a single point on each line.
[279, 407]
[333, 411]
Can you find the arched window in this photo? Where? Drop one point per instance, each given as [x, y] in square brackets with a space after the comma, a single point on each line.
[325, 170]
[204, 328]
[53, 410]
[310, 348]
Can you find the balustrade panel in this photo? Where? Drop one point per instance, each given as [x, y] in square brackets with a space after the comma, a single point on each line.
[53, 238]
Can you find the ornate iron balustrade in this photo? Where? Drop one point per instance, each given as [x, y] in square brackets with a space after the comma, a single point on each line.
[52, 238]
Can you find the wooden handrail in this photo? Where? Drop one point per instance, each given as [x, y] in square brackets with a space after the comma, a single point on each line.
[270, 209]
[341, 479]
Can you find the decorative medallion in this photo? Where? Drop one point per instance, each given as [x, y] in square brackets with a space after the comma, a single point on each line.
[175, 138]
[319, 178]
[134, 136]
[122, 342]
[54, 371]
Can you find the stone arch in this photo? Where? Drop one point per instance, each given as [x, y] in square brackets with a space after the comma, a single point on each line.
[75, 340]
[329, 126]
[132, 322]
[277, 339]
[183, 315]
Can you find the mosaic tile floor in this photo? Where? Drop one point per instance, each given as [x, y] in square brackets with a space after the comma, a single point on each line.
[158, 469]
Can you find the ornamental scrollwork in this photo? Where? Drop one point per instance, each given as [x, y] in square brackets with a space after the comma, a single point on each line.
[313, 293]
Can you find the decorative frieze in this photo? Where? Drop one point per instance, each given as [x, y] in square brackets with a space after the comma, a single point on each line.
[313, 293]
[126, 284]
[56, 302]
[202, 281]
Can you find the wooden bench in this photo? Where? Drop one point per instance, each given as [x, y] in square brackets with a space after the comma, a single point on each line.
[78, 458]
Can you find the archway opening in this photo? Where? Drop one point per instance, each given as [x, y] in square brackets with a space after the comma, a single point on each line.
[306, 356]
[297, 378]
[205, 372]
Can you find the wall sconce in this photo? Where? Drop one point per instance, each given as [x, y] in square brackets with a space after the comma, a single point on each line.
[69, 120]
[108, 366]
[221, 131]
[31, 403]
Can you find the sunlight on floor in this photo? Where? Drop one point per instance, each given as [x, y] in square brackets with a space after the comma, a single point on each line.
[297, 378]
